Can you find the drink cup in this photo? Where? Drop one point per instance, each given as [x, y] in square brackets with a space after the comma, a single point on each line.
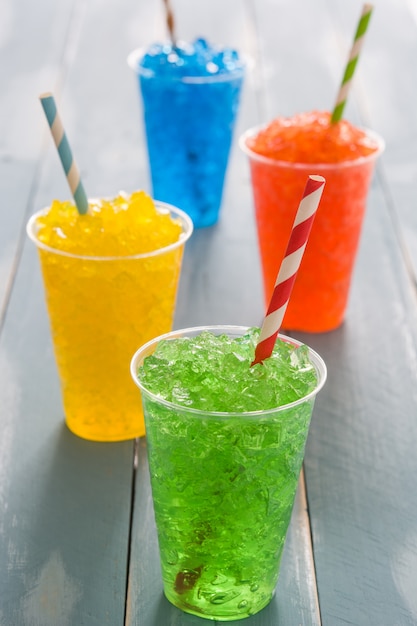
[320, 294]
[99, 308]
[223, 487]
[189, 123]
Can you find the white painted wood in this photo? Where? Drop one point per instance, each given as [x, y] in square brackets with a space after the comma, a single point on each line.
[66, 550]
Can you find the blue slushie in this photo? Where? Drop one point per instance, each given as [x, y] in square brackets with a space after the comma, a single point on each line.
[190, 94]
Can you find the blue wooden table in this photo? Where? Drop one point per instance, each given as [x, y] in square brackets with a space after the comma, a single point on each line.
[77, 537]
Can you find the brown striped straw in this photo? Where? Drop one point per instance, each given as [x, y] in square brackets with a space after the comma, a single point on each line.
[170, 21]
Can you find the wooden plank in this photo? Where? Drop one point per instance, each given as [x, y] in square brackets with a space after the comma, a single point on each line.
[221, 283]
[387, 95]
[360, 576]
[360, 461]
[65, 502]
[300, 69]
[30, 52]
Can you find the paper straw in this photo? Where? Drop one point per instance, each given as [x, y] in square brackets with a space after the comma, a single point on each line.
[170, 21]
[64, 151]
[289, 267]
[351, 64]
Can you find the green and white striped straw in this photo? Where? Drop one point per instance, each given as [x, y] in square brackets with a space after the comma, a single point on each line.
[352, 61]
[64, 151]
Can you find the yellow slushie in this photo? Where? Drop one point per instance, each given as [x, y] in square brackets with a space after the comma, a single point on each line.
[110, 279]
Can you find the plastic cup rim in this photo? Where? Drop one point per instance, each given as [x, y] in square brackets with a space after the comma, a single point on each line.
[251, 132]
[186, 223]
[224, 77]
[317, 360]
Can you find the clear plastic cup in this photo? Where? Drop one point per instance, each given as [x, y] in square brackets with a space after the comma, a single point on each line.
[189, 123]
[100, 308]
[223, 488]
[320, 294]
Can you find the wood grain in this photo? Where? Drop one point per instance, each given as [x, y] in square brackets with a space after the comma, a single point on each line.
[71, 545]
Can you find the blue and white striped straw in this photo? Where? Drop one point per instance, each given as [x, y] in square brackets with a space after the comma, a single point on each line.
[64, 151]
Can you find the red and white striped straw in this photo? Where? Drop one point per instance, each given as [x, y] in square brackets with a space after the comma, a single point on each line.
[289, 267]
